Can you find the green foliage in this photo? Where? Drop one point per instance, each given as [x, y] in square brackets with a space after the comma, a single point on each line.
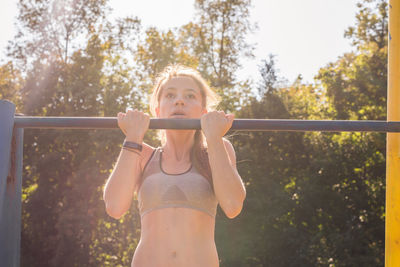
[313, 199]
[10, 84]
[356, 83]
[48, 28]
[218, 40]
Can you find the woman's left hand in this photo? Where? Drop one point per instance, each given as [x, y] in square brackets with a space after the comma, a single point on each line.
[215, 124]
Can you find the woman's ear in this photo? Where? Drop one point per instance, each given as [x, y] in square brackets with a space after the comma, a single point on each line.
[205, 111]
[158, 111]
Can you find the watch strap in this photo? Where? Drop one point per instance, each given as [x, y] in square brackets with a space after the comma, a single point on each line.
[132, 145]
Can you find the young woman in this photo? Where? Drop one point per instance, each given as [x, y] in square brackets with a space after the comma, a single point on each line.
[180, 183]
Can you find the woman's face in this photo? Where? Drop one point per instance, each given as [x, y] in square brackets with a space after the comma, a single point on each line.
[180, 98]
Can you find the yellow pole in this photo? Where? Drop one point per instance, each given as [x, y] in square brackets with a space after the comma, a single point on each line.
[392, 231]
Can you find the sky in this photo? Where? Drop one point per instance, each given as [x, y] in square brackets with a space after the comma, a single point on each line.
[303, 35]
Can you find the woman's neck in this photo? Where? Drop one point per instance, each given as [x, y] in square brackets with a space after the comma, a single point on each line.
[178, 145]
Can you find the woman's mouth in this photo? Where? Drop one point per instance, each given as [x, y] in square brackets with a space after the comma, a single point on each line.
[178, 114]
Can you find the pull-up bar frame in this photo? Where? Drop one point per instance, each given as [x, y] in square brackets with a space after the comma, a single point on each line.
[194, 124]
[12, 129]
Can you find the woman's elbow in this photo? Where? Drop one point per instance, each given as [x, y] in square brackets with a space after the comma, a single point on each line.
[234, 211]
[114, 212]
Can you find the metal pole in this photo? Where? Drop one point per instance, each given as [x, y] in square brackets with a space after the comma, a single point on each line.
[392, 230]
[10, 186]
[238, 124]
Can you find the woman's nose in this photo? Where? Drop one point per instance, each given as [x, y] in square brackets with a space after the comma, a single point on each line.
[179, 101]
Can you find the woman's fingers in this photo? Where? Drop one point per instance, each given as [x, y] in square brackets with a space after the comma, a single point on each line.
[134, 123]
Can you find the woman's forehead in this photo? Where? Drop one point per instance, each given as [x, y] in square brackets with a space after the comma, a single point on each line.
[181, 82]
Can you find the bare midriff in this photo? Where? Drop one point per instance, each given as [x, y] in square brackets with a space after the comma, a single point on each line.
[176, 237]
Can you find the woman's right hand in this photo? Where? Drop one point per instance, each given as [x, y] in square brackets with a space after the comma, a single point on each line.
[134, 124]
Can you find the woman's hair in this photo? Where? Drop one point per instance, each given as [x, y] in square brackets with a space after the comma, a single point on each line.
[199, 154]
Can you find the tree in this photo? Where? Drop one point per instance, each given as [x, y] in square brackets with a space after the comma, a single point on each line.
[10, 84]
[49, 28]
[315, 199]
[218, 39]
[356, 83]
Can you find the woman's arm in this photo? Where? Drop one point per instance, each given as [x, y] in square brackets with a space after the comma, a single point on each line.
[228, 185]
[120, 186]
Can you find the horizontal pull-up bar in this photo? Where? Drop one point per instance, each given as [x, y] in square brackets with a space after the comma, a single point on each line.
[193, 124]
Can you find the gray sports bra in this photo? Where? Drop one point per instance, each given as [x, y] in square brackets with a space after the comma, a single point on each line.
[162, 190]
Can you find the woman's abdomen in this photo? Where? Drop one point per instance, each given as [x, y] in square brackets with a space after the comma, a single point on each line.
[176, 237]
[150, 254]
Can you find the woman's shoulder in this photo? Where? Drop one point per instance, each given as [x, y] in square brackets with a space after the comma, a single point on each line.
[147, 151]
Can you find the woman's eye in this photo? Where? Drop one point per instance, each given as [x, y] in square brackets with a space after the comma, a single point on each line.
[168, 95]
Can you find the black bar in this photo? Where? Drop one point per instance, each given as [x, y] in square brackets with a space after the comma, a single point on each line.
[238, 124]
